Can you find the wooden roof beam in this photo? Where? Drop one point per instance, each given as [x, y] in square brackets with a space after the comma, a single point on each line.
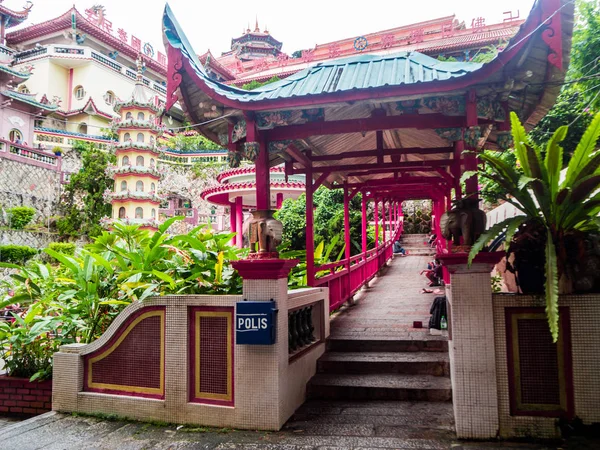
[418, 121]
[385, 151]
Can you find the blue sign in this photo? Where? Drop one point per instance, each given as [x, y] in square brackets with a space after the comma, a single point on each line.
[255, 323]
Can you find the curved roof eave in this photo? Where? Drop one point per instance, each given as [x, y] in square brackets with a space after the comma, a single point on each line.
[284, 94]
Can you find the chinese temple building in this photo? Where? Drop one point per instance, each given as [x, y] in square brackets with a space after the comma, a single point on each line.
[236, 189]
[136, 175]
[258, 56]
[255, 45]
[9, 19]
[85, 64]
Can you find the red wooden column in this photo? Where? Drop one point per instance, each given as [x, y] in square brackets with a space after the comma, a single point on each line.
[279, 200]
[364, 224]
[232, 221]
[456, 169]
[239, 221]
[347, 222]
[376, 223]
[263, 175]
[383, 221]
[471, 184]
[390, 215]
[310, 238]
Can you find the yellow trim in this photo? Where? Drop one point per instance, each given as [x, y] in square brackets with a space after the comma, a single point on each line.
[517, 367]
[207, 395]
[133, 389]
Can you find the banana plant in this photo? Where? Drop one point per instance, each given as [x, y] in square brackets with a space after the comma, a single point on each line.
[562, 207]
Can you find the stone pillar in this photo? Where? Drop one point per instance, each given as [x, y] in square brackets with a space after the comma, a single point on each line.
[471, 344]
[266, 280]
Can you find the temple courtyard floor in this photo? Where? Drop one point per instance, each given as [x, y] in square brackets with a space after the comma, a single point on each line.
[375, 332]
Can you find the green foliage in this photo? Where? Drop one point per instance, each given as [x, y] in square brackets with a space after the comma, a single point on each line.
[328, 220]
[87, 187]
[65, 248]
[16, 253]
[76, 299]
[190, 141]
[20, 216]
[564, 209]
[485, 55]
[447, 58]
[585, 52]
[570, 108]
[297, 54]
[579, 98]
[256, 84]
[490, 190]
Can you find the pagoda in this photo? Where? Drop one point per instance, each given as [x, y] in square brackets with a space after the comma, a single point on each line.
[134, 199]
[10, 18]
[255, 45]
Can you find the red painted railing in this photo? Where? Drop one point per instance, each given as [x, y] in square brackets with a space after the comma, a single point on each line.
[345, 277]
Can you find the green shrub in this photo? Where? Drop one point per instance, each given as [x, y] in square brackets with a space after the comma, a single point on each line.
[21, 216]
[66, 248]
[16, 254]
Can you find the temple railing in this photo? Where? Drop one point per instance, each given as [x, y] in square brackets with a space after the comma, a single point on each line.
[345, 277]
[307, 323]
[28, 155]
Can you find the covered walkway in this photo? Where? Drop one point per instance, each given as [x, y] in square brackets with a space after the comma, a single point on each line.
[387, 309]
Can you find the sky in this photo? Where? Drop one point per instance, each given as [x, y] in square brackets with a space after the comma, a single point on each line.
[299, 24]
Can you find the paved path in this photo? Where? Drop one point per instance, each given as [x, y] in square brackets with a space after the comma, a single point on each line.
[318, 426]
[388, 308]
[385, 311]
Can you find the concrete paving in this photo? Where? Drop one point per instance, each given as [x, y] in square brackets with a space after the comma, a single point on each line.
[384, 313]
[388, 308]
[315, 426]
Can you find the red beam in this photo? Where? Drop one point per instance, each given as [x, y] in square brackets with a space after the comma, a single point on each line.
[419, 121]
[387, 182]
[320, 180]
[390, 166]
[385, 151]
[383, 171]
[298, 156]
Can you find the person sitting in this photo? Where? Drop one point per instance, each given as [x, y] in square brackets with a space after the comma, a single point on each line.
[431, 241]
[398, 249]
[435, 274]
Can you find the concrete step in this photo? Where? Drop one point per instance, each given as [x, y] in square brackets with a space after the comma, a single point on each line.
[380, 387]
[408, 363]
[434, 344]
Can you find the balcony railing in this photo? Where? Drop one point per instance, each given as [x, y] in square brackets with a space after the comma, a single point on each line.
[86, 53]
[18, 152]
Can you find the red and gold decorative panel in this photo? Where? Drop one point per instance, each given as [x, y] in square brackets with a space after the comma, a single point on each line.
[133, 361]
[540, 372]
[211, 355]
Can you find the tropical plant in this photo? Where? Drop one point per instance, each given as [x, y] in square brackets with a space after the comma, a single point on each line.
[20, 216]
[559, 210]
[76, 299]
[256, 84]
[66, 248]
[322, 255]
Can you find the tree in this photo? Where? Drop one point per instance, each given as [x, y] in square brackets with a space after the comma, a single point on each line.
[190, 140]
[83, 204]
[256, 84]
[328, 219]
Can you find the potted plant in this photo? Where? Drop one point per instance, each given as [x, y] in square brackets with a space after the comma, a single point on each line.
[554, 241]
[57, 151]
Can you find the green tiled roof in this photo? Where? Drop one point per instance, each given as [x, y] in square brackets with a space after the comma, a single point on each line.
[29, 99]
[346, 74]
[13, 72]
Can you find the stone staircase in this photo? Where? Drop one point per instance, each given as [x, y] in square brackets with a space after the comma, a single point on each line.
[415, 244]
[373, 369]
